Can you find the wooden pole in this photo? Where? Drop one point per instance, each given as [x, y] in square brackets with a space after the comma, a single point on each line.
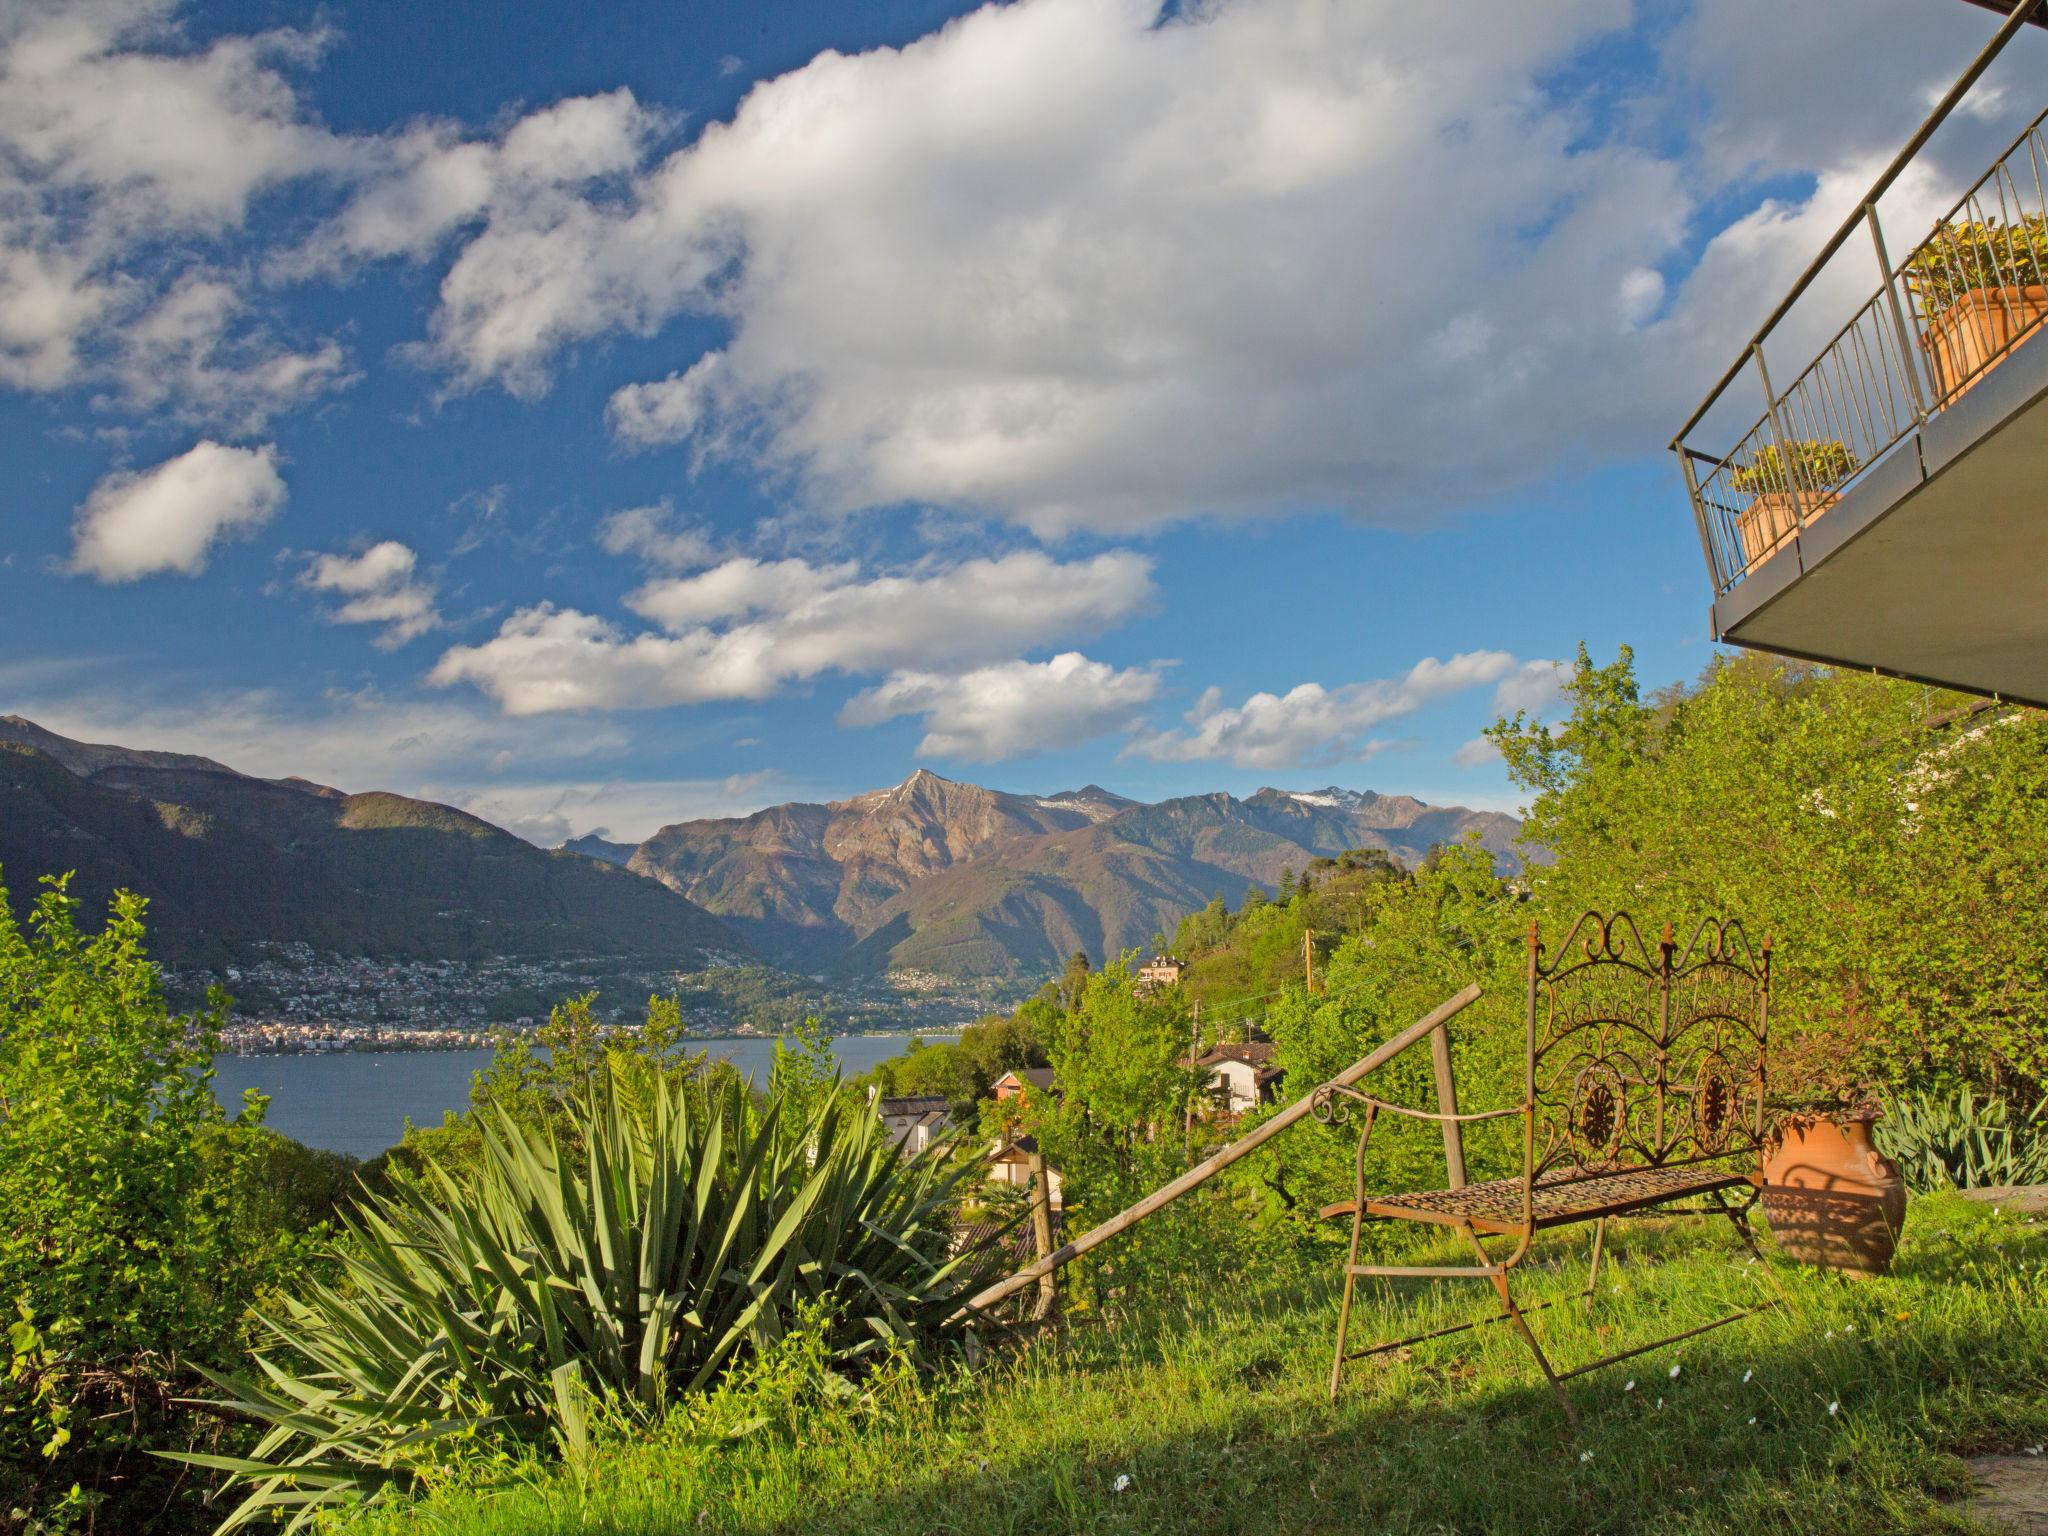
[1166, 1194]
[1447, 1104]
[1308, 961]
[1041, 1235]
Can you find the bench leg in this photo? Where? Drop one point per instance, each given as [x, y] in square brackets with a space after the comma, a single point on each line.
[1738, 1217]
[1344, 1308]
[1593, 1271]
[1514, 1315]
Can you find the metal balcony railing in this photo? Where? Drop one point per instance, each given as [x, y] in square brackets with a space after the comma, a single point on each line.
[1940, 317]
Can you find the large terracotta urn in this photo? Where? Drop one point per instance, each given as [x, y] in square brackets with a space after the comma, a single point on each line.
[1832, 1199]
[1976, 330]
[1767, 524]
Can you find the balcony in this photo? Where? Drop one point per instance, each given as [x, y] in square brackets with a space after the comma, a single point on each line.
[1887, 509]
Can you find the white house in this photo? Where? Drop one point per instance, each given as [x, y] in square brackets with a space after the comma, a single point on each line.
[1240, 1076]
[914, 1122]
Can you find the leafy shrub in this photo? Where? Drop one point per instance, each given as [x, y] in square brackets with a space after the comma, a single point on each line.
[1816, 464]
[1959, 1141]
[1960, 258]
[666, 1233]
[125, 1256]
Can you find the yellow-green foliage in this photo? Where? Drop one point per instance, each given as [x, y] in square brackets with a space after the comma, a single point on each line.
[1891, 839]
[128, 1252]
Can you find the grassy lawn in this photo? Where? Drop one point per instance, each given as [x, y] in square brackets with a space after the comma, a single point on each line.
[1844, 1412]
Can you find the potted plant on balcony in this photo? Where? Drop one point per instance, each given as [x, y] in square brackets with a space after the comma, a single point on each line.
[1832, 1199]
[1981, 288]
[1811, 467]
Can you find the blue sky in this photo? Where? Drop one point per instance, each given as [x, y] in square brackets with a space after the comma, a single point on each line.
[600, 417]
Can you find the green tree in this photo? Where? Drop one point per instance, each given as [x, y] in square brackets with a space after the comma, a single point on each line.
[1882, 832]
[125, 1256]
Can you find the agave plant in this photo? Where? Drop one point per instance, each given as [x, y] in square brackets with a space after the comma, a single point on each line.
[1959, 1141]
[661, 1234]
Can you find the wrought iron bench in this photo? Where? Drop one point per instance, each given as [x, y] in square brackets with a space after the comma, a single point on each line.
[1644, 1088]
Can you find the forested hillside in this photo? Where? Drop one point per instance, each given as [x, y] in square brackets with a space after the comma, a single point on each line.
[228, 861]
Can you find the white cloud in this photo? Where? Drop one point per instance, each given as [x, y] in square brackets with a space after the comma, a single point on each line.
[1311, 725]
[380, 586]
[550, 812]
[1081, 265]
[1535, 687]
[170, 518]
[745, 628]
[1010, 709]
[352, 740]
[1476, 753]
[120, 147]
[651, 534]
[194, 358]
[668, 410]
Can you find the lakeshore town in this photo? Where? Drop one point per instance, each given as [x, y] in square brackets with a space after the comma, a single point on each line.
[290, 999]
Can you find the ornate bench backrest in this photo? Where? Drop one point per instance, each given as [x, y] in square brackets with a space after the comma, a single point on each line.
[1642, 1056]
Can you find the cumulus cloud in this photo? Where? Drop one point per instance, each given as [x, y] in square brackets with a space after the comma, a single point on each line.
[1311, 725]
[379, 586]
[1011, 709]
[653, 535]
[745, 628]
[549, 812]
[354, 740]
[139, 523]
[119, 146]
[1534, 688]
[130, 160]
[1088, 264]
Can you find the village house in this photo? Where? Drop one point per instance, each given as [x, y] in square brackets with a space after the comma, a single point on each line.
[1242, 1076]
[1158, 973]
[1009, 1162]
[1011, 1084]
[915, 1122]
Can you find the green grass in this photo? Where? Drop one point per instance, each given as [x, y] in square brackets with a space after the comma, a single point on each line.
[1219, 1420]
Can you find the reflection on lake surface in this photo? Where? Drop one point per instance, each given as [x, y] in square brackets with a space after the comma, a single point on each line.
[358, 1101]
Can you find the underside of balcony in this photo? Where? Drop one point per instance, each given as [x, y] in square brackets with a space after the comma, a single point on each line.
[1933, 565]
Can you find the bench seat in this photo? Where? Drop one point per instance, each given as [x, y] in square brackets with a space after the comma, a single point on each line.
[1496, 1206]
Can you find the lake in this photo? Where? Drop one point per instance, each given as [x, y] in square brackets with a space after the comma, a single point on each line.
[358, 1101]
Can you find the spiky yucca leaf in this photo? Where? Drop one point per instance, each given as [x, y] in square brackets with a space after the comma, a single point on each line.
[662, 1232]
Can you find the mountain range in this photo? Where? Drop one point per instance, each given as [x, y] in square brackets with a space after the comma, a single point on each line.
[966, 882]
[931, 876]
[229, 861]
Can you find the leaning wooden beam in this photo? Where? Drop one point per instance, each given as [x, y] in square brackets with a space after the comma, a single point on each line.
[1166, 1194]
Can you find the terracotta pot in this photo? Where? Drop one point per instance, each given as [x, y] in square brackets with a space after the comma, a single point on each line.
[1832, 1199]
[1770, 520]
[1973, 334]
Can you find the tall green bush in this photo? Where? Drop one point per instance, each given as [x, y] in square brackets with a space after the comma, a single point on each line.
[124, 1259]
[1893, 841]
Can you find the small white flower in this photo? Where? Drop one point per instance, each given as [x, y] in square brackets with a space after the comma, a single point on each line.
[2035, 1450]
[1660, 1402]
[1752, 1418]
[1834, 1408]
[1122, 1483]
[1848, 1327]
[1631, 1385]
[1830, 1335]
[1674, 1373]
[1747, 1374]
[1584, 1457]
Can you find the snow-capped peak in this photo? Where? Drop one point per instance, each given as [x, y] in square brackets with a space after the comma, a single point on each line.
[1333, 798]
